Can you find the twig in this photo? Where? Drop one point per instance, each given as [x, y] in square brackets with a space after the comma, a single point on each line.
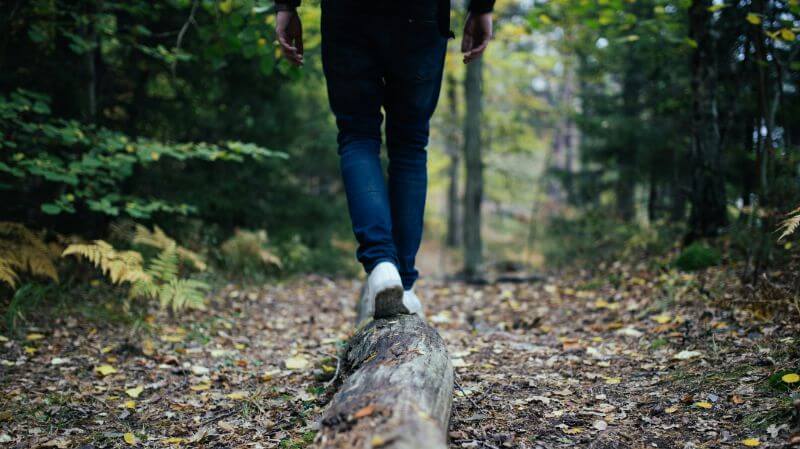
[336, 374]
[474, 404]
[189, 21]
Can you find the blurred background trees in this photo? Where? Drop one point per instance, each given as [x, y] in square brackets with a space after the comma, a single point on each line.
[590, 131]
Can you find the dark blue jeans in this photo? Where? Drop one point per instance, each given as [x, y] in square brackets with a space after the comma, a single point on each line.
[394, 62]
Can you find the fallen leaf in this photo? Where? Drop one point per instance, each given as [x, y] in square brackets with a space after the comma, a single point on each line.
[662, 319]
[703, 404]
[200, 387]
[134, 392]
[61, 443]
[297, 363]
[34, 337]
[791, 378]
[105, 370]
[751, 442]
[59, 361]
[364, 412]
[199, 370]
[237, 395]
[672, 409]
[3, 339]
[686, 355]
[173, 440]
[129, 404]
[129, 438]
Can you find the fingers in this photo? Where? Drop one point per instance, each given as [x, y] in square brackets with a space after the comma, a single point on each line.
[290, 52]
[476, 52]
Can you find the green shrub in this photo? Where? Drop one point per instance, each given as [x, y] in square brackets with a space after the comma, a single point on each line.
[698, 256]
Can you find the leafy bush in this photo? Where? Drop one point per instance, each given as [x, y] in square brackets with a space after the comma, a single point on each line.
[60, 166]
[697, 256]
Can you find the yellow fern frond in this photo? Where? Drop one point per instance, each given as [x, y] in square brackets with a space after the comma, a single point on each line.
[790, 225]
[118, 266]
[7, 274]
[21, 250]
[160, 240]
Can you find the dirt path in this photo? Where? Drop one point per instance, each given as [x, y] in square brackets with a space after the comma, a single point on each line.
[623, 360]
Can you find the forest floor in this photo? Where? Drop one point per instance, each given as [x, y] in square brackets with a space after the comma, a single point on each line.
[626, 358]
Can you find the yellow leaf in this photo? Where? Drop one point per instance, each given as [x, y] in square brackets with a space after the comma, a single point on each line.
[662, 319]
[105, 370]
[155, 156]
[262, 42]
[226, 6]
[703, 404]
[30, 350]
[672, 409]
[107, 349]
[172, 338]
[753, 18]
[200, 387]
[129, 404]
[148, 348]
[129, 438]
[751, 442]
[791, 378]
[236, 395]
[613, 380]
[298, 362]
[173, 440]
[134, 392]
[787, 34]
[34, 337]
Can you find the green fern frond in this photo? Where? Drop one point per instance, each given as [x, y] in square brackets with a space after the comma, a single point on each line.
[790, 225]
[183, 293]
[165, 266]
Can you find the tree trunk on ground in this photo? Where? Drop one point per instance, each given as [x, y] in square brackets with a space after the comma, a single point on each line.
[396, 387]
[452, 238]
[708, 214]
[473, 194]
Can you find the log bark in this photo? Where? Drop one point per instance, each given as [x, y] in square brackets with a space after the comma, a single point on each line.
[396, 387]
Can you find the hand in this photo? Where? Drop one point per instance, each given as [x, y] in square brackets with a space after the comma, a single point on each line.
[477, 33]
[290, 36]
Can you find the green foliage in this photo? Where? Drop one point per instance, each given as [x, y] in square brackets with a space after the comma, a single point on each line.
[698, 256]
[64, 166]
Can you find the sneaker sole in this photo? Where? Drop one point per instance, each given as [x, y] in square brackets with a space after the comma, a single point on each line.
[389, 303]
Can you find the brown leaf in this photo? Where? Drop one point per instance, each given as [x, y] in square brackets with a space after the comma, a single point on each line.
[364, 412]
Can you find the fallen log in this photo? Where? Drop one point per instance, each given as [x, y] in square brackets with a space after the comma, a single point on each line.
[396, 387]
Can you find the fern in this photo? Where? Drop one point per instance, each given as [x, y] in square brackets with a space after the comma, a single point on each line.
[21, 250]
[790, 225]
[160, 240]
[118, 266]
[160, 280]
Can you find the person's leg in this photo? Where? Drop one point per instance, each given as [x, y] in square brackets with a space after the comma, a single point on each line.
[412, 91]
[355, 88]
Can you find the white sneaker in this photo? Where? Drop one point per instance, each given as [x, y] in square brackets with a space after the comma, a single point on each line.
[412, 303]
[385, 290]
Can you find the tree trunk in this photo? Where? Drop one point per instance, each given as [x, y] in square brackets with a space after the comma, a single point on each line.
[708, 214]
[473, 192]
[397, 387]
[452, 239]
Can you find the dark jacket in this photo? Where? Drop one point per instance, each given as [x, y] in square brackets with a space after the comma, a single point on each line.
[400, 6]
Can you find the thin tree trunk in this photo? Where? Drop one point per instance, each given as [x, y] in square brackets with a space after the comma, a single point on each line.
[452, 239]
[708, 213]
[473, 192]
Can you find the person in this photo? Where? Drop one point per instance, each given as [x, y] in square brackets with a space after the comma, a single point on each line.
[385, 54]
